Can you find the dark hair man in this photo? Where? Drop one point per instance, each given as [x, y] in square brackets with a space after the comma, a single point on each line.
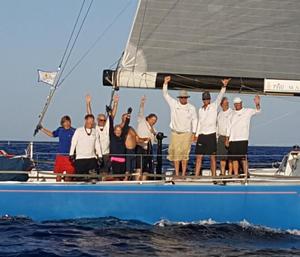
[85, 147]
[207, 128]
[64, 133]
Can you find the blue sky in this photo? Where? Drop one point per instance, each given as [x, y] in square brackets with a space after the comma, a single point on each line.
[33, 36]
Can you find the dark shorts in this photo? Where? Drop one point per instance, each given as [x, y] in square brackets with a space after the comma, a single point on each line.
[130, 160]
[118, 167]
[206, 144]
[238, 150]
[105, 165]
[144, 159]
[84, 166]
[222, 150]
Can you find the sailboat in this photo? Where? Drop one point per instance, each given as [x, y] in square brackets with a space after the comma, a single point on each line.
[197, 42]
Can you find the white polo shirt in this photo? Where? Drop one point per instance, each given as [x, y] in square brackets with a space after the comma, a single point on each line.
[183, 117]
[223, 121]
[207, 117]
[239, 126]
[85, 144]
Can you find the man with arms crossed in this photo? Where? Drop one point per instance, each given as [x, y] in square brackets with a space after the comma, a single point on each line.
[183, 126]
[238, 133]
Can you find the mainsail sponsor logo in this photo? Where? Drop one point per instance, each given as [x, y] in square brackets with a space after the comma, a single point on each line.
[282, 86]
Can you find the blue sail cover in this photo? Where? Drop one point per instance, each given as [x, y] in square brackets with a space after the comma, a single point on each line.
[14, 164]
[255, 39]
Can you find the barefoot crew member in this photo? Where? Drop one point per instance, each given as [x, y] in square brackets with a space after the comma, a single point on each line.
[64, 133]
[238, 133]
[85, 147]
[207, 128]
[223, 120]
[146, 134]
[102, 130]
[183, 125]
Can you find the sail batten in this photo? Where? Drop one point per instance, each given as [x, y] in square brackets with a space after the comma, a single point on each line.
[248, 39]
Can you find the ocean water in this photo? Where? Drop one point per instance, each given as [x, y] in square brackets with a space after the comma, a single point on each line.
[108, 236]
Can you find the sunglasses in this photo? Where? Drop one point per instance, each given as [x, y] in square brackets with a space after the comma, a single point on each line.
[102, 120]
[183, 97]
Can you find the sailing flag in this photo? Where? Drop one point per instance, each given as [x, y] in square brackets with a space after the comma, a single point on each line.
[47, 77]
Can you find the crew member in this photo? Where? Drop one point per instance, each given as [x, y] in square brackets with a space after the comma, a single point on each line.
[85, 147]
[207, 128]
[117, 145]
[183, 126]
[223, 120]
[130, 143]
[64, 133]
[147, 136]
[238, 133]
[102, 130]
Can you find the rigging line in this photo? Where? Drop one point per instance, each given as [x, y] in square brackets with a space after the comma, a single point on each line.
[74, 42]
[275, 119]
[72, 33]
[93, 45]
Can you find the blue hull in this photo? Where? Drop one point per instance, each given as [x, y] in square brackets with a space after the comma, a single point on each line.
[275, 206]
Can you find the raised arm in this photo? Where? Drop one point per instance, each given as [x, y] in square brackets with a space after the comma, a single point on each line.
[257, 105]
[171, 101]
[225, 83]
[74, 143]
[115, 106]
[111, 124]
[126, 126]
[88, 100]
[141, 114]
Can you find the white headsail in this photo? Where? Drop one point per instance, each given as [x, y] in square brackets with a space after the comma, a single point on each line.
[203, 40]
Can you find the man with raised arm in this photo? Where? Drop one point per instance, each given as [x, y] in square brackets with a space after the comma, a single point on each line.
[224, 117]
[102, 130]
[85, 147]
[146, 137]
[183, 126]
[207, 128]
[64, 133]
[238, 133]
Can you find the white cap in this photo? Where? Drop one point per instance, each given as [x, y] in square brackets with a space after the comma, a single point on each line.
[237, 100]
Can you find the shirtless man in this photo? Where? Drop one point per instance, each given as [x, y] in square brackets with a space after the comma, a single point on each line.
[131, 143]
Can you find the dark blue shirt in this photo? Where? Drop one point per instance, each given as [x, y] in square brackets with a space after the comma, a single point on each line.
[65, 138]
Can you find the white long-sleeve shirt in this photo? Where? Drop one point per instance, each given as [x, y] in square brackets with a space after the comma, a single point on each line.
[86, 146]
[239, 126]
[223, 122]
[207, 117]
[103, 137]
[144, 130]
[183, 117]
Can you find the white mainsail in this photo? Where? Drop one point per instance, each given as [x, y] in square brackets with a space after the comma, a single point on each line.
[250, 40]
